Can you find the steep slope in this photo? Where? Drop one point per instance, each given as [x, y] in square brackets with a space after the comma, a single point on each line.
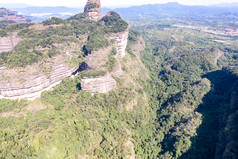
[28, 83]
[37, 57]
[38, 43]
[76, 124]
[106, 57]
[95, 54]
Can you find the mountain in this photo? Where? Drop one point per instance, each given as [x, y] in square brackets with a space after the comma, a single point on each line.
[173, 9]
[80, 56]
[230, 5]
[93, 86]
[168, 10]
[32, 43]
[7, 15]
[39, 14]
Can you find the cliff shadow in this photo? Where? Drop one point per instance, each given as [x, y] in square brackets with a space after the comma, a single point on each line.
[213, 108]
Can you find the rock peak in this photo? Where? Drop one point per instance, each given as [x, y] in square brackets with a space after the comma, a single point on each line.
[93, 9]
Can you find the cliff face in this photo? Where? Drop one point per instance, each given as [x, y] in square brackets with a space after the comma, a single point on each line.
[93, 9]
[12, 16]
[107, 59]
[98, 84]
[8, 43]
[121, 42]
[96, 60]
[30, 82]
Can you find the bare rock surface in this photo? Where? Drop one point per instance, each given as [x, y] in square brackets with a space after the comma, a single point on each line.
[97, 59]
[121, 40]
[8, 43]
[101, 84]
[30, 82]
[117, 71]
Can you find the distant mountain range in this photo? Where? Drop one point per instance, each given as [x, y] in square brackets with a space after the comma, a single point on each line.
[38, 14]
[169, 10]
[232, 5]
[175, 9]
[10, 16]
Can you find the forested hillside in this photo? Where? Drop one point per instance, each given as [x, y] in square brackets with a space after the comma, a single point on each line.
[194, 94]
[177, 97]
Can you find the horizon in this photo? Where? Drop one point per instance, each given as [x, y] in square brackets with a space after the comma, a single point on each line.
[107, 3]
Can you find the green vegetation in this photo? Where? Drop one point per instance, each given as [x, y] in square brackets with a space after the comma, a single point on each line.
[113, 23]
[92, 73]
[111, 61]
[7, 105]
[48, 38]
[53, 20]
[109, 24]
[40, 44]
[78, 17]
[133, 36]
[91, 6]
[14, 27]
[5, 23]
[96, 41]
[187, 108]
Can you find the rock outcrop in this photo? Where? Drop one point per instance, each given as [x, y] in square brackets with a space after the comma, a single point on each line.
[117, 71]
[121, 42]
[97, 59]
[12, 16]
[107, 59]
[101, 84]
[93, 9]
[8, 43]
[30, 83]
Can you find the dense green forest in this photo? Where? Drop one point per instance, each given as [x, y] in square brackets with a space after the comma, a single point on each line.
[184, 105]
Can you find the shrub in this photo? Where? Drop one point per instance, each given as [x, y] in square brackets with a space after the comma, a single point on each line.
[91, 6]
[96, 41]
[92, 73]
[52, 21]
[113, 23]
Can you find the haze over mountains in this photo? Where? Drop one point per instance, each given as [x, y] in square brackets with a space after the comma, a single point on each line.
[172, 9]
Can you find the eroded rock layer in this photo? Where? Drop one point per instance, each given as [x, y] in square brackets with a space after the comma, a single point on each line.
[101, 84]
[93, 9]
[33, 84]
[8, 43]
[121, 42]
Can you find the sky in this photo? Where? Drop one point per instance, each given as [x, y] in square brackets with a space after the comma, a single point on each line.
[111, 3]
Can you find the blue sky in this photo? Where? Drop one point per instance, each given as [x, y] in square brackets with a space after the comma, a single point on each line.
[111, 3]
